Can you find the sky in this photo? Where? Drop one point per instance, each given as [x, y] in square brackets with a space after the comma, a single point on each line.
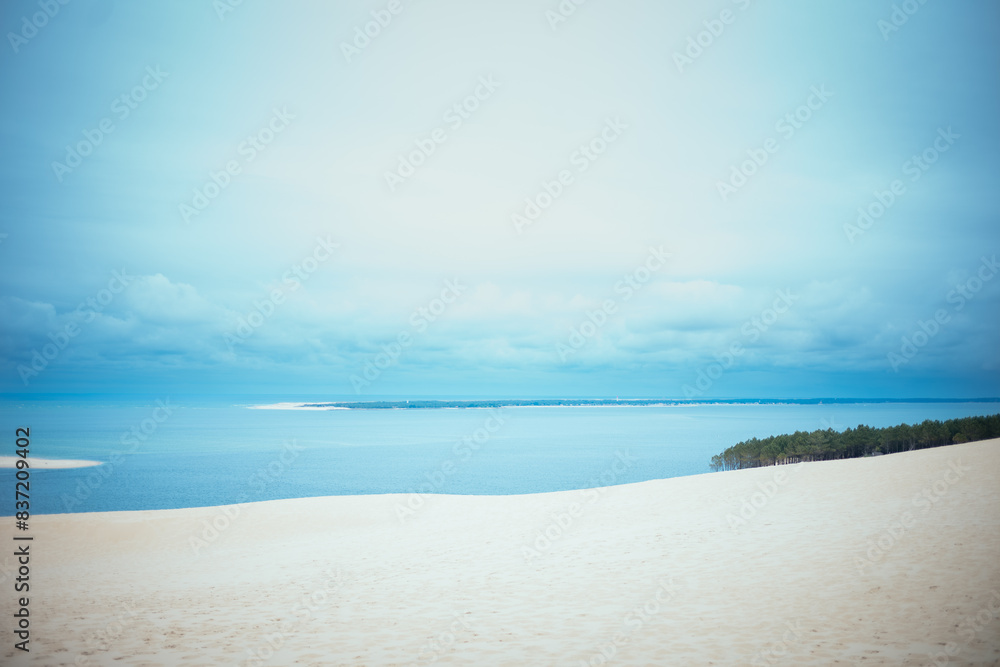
[520, 198]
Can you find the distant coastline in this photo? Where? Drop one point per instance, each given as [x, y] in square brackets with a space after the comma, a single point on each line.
[421, 404]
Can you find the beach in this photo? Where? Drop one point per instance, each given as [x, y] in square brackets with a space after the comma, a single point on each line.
[888, 560]
[49, 464]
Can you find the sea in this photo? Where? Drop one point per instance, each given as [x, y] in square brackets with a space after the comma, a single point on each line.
[166, 452]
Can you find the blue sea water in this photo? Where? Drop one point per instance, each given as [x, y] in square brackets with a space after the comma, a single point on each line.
[214, 451]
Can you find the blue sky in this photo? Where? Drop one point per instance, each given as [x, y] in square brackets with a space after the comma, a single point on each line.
[305, 268]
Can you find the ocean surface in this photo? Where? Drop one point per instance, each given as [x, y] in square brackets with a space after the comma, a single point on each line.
[212, 451]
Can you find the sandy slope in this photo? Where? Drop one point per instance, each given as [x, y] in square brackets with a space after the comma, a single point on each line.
[661, 573]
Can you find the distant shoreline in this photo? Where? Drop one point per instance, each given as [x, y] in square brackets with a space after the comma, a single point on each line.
[421, 404]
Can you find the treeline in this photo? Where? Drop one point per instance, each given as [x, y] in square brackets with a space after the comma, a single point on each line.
[854, 442]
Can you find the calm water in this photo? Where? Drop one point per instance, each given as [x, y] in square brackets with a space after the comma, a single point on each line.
[216, 451]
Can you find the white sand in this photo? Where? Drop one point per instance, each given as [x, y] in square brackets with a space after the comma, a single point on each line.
[655, 567]
[294, 406]
[33, 462]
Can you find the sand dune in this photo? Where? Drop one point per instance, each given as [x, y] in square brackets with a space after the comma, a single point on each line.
[893, 560]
